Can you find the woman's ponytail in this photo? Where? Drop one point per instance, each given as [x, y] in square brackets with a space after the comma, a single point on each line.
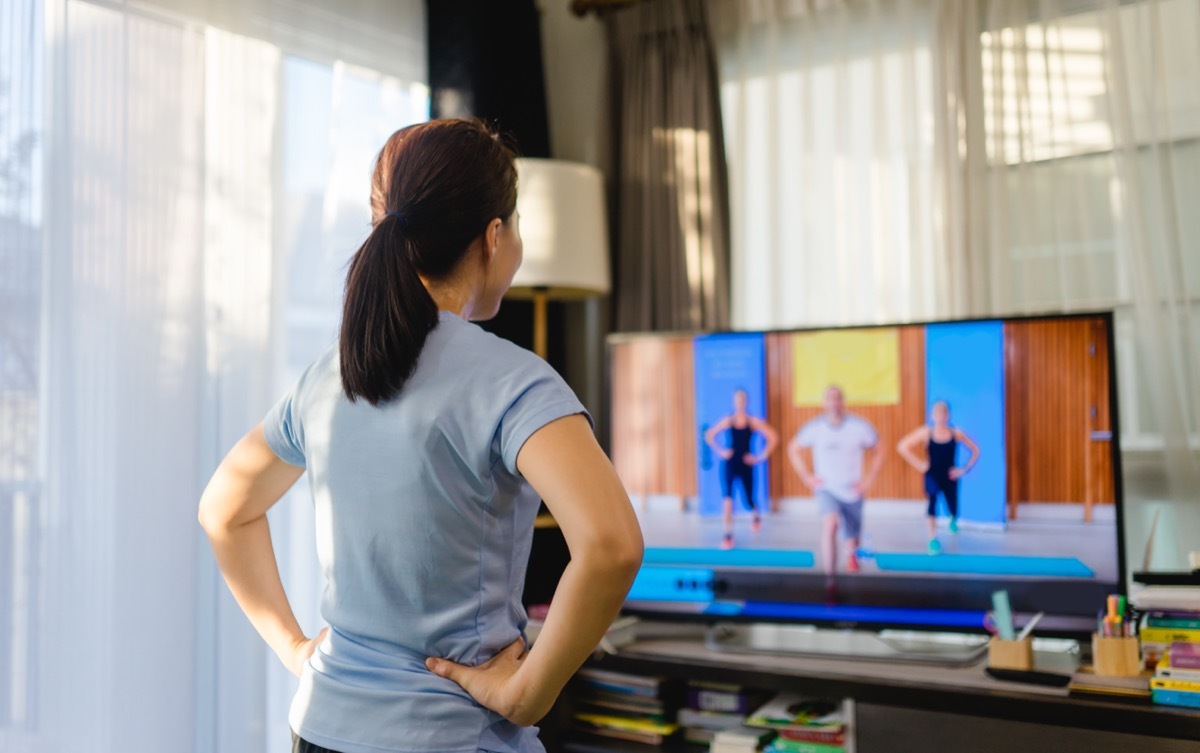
[435, 188]
[386, 316]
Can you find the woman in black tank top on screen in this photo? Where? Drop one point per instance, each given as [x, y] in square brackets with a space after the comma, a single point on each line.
[738, 460]
[941, 442]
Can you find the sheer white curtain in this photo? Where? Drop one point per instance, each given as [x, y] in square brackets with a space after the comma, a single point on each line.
[174, 214]
[896, 160]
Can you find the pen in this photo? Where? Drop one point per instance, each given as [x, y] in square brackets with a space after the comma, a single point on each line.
[1025, 631]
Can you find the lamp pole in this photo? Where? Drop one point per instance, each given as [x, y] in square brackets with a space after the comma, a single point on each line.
[541, 314]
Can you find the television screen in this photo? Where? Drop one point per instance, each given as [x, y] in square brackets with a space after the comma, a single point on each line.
[880, 475]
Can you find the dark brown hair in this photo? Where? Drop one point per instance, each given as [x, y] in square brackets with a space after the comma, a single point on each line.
[436, 187]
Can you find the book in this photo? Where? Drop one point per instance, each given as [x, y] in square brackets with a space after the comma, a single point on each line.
[1166, 599]
[644, 704]
[783, 745]
[699, 735]
[604, 706]
[627, 728]
[792, 713]
[741, 739]
[822, 737]
[1169, 635]
[1173, 620]
[1176, 698]
[1184, 655]
[732, 699]
[1086, 681]
[709, 719]
[619, 679]
[1164, 669]
[1166, 683]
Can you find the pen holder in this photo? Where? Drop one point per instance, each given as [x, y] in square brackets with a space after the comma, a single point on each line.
[1117, 656]
[1004, 654]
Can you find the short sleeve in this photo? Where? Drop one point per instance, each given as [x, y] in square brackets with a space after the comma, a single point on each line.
[806, 437]
[284, 431]
[543, 397]
[870, 437]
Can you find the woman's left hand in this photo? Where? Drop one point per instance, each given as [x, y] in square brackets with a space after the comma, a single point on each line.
[492, 683]
[957, 473]
[301, 652]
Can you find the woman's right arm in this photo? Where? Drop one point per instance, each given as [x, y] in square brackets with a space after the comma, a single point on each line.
[576, 480]
[907, 448]
[710, 438]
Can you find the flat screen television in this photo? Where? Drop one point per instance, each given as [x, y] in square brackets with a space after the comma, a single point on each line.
[877, 477]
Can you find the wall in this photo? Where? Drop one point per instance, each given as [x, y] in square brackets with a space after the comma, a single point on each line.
[575, 59]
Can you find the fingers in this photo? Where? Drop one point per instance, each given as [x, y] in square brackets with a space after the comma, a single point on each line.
[448, 669]
[515, 649]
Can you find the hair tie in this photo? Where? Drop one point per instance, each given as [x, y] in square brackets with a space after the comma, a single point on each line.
[399, 217]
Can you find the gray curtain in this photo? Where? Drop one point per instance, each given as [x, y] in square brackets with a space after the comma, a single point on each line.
[671, 257]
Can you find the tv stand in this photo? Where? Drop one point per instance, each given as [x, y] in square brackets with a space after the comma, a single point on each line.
[942, 649]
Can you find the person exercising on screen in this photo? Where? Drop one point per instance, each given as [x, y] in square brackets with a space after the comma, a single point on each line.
[738, 461]
[839, 441]
[941, 474]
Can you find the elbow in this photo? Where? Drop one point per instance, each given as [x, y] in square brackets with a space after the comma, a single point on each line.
[618, 555]
[210, 516]
[628, 558]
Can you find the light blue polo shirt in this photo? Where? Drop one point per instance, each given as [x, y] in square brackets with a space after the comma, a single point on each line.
[423, 532]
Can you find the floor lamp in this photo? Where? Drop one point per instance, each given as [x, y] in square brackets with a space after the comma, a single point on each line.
[565, 231]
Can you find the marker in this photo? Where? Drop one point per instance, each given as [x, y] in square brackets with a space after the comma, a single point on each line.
[1002, 613]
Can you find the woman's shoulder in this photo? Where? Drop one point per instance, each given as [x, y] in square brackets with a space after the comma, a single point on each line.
[469, 349]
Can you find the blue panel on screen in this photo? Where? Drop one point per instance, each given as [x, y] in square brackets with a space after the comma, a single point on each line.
[780, 558]
[863, 615]
[964, 365]
[725, 364]
[654, 583]
[985, 564]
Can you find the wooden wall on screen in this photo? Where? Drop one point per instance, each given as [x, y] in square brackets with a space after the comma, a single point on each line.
[897, 480]
[654, 434]
[1058, 418]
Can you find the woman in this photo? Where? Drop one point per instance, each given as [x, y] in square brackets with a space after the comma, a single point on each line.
[737, 460]
[428, 443]
[940, 440]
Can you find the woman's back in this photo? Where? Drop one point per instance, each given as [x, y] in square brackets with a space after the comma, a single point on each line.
[424, 528]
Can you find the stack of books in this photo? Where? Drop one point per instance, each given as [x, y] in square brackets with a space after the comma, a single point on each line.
[1087, 682]
[622, 706]
[1176, 680]
[1168, 613]
[713, 707]
[1161, 630]
[803, 725]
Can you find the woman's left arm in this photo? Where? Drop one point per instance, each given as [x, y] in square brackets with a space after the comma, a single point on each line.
[233, 512]
[770, 436]
[961, 436]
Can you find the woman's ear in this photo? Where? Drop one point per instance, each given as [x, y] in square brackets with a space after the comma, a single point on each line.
[491, 239]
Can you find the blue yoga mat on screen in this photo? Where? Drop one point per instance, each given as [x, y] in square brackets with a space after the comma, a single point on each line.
[724, 364]
[964, 365]
[740, 557]
[984, 564]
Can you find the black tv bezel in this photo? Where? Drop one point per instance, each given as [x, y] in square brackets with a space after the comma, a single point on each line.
[1119, 587]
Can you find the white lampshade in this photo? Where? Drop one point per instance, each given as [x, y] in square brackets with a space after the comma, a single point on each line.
[564, 228]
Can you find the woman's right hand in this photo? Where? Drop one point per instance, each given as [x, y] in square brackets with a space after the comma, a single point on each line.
[495, 685]
[725, 454]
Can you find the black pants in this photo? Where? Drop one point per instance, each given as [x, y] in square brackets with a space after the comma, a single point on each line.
[946, 487]
[738, 471]
[300, 745]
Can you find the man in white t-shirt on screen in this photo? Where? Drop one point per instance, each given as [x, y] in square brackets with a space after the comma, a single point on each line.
[840, 442]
